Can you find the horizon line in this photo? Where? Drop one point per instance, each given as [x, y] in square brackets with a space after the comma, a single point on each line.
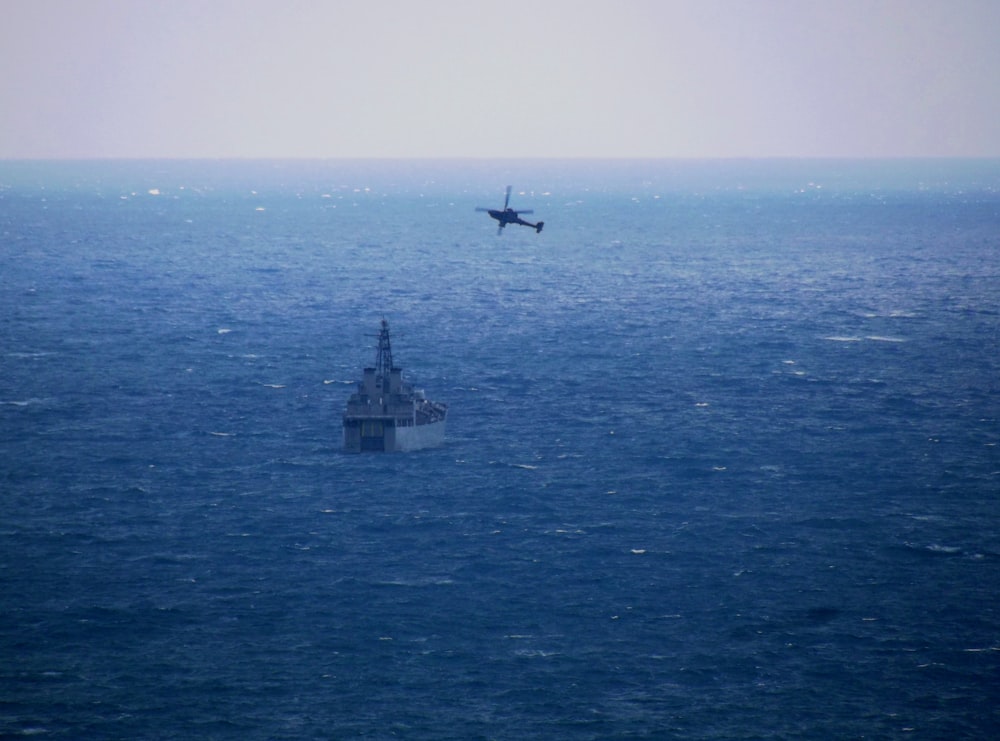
[488, 158]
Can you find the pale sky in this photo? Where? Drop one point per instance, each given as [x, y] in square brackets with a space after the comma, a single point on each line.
[503, 78]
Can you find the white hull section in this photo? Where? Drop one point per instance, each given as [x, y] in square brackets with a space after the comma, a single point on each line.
[416, 438]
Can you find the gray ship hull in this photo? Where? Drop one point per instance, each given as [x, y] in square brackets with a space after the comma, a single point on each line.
[381, 435]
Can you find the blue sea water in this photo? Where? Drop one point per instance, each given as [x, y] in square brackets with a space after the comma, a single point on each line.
[723, 455]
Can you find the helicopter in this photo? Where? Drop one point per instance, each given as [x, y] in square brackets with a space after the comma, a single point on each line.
[509, 216]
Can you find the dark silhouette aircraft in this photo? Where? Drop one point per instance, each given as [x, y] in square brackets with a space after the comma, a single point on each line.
[509, 216]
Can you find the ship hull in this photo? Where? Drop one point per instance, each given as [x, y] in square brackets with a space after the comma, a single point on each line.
[368, 435]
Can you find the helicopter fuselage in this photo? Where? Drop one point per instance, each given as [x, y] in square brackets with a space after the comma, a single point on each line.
[508, 216]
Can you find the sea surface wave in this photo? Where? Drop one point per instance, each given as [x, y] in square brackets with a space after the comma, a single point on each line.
[722, 458]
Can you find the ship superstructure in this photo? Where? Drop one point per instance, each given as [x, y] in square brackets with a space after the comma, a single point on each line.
[387, 414]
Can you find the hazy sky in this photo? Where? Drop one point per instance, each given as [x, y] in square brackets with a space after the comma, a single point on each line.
[524, 78]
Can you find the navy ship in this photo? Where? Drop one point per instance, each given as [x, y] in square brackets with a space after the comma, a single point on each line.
[387, 414]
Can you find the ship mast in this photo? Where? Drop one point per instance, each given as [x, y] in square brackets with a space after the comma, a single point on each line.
[383, 360]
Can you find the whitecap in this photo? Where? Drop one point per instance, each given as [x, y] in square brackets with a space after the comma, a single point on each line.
[224, 330]
[273, 385]
[841, 338]
[534, 653]
[27, 355]
[879, 338]
[949, 549]
[221, 434]
[19, 403]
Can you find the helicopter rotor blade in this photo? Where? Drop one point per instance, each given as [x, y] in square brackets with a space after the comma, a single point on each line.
[506, 200]
[525, 211]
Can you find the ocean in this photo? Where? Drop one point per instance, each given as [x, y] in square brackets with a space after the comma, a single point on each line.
[722, 458]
